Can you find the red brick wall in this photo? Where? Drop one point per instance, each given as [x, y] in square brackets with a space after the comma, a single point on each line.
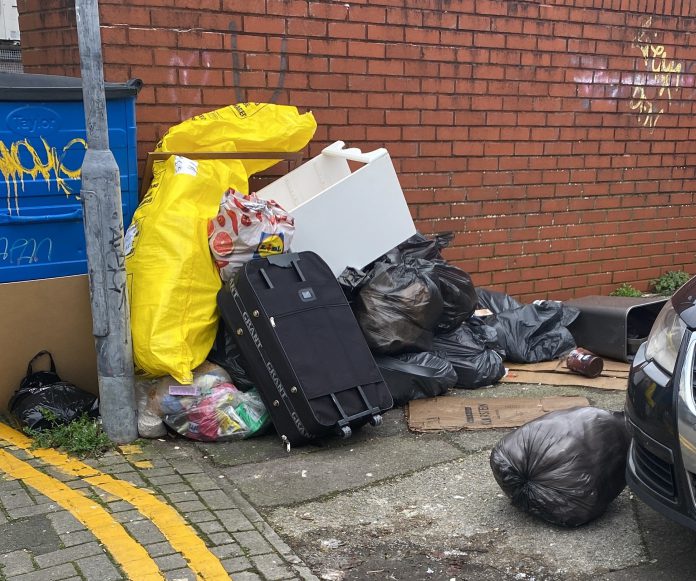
[556, 139]
[49, 37]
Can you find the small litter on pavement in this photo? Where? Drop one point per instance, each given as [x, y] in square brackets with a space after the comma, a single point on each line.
[458, 413]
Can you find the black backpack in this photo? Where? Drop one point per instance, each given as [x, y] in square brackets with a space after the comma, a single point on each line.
[44, 399]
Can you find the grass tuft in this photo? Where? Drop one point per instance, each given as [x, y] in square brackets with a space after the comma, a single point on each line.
[82, 437]
[626, 290]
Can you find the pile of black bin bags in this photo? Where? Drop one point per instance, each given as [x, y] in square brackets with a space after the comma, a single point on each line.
[417, 313]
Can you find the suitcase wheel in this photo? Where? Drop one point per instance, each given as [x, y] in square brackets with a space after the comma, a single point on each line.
[376, 420]
[346, 432]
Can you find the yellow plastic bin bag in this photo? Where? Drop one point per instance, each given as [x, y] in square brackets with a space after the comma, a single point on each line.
[172, 278]
[245, 127]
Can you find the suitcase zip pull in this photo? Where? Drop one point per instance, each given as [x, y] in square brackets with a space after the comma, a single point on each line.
[286, 442]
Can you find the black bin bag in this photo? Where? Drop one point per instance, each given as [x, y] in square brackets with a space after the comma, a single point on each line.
[44, 399]
[471, 349]
[495, 301]
[418, 246]
[398, 309]
[536, 332]
[416, 375]
[565, 467]
[226, 354]
[458, 293]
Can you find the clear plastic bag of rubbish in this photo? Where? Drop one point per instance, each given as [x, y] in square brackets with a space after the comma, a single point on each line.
[565, 467]
[398, 308]
[536, 332]
[219, 414]
[210, 409]
[150, 425]
[471, 349]
[155, 397]
[416, 375]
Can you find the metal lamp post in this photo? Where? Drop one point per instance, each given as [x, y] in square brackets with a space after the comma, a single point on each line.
[103, 220]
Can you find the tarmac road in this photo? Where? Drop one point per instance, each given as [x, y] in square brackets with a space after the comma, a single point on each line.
[390, 504]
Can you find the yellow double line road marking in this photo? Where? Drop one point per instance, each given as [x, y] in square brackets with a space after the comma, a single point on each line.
[132, 557]
[176, 530]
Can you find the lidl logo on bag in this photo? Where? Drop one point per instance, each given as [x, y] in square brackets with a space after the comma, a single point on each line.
[270, 244]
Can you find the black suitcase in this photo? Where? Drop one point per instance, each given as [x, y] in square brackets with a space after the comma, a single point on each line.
[304, 348]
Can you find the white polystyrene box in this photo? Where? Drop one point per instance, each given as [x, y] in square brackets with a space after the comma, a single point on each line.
[349, 218]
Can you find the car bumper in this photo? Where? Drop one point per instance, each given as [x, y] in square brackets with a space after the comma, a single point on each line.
[668, 506]
[655, 412]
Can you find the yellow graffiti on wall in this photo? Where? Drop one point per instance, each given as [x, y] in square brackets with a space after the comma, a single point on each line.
[662, 81]
[21, 159]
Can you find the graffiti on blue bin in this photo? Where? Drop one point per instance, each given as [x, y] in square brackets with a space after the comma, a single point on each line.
[25, 250]
[21, 160]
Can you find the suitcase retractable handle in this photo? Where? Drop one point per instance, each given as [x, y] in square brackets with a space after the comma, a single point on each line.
[283, 261]
[375, 417]
[266, 279]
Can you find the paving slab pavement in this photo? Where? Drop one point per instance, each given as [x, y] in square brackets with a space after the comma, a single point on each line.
[158, 494]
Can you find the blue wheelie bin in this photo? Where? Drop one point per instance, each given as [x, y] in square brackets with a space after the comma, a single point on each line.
[42, 146]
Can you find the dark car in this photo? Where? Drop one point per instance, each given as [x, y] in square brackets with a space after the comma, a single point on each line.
[661, 412]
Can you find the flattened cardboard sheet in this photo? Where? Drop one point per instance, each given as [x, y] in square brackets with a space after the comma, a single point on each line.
[450, 413]
[614, 375]
[52, 314]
